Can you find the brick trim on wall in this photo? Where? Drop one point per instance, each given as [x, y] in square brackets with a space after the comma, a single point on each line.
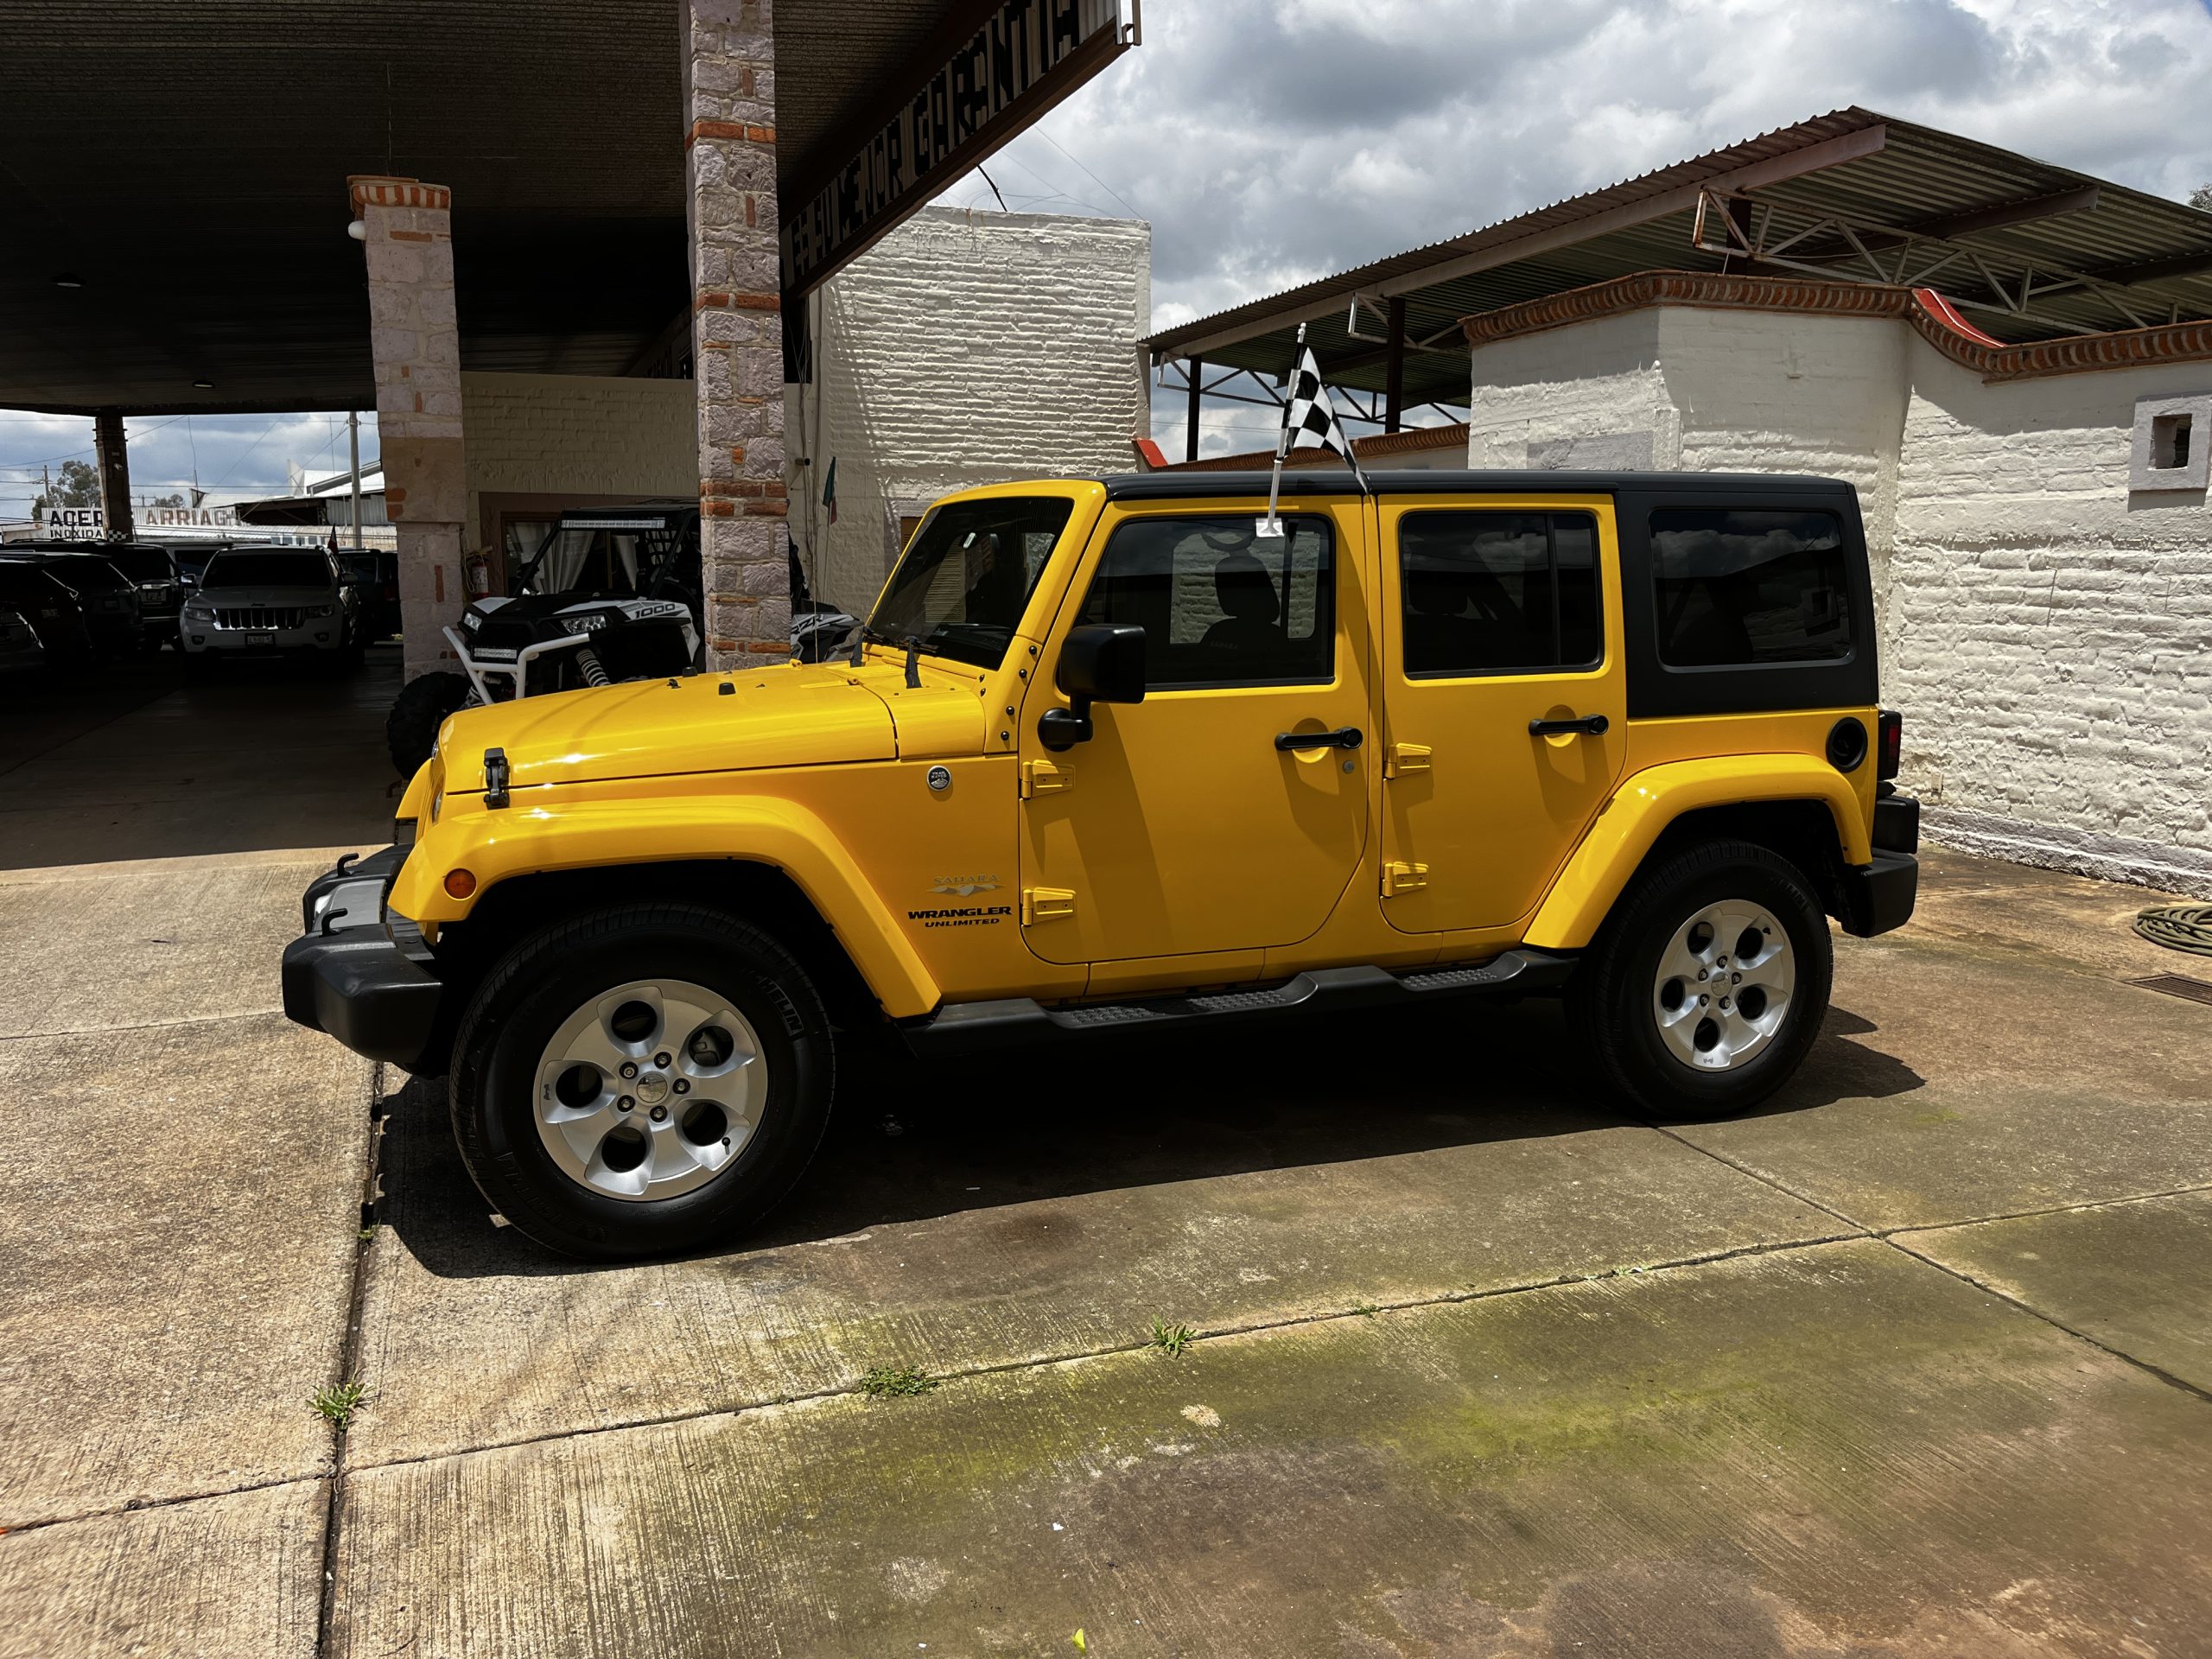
[2181, 342]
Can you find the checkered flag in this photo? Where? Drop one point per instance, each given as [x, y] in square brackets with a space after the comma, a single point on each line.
[1307, 417]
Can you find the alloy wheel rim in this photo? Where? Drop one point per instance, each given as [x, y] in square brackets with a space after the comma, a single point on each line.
[650, 1089]
[1723, 985]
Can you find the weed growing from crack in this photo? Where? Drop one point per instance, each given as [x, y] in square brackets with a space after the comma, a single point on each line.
[337, 1401]
[886, 1381]
[1171, 1339]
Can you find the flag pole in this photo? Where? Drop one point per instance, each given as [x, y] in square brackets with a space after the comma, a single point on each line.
[1271, 527]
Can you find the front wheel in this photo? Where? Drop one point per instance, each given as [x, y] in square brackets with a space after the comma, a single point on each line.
[410, 730]
[643, 1079]
[1708, 985]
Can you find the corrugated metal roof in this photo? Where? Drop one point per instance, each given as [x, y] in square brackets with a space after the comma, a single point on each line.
[1916, 175]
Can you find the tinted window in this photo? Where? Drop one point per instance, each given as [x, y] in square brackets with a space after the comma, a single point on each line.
[87, 573]
[1493, 593]
[267, 570]
[142, 564]
[1739, 586]
[1219, 605]
[964, 580]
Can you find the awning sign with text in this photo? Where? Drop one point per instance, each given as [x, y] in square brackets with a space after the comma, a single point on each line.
[1027, 56]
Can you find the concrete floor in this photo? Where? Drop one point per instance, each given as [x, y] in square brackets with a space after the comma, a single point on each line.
[1917, 1360]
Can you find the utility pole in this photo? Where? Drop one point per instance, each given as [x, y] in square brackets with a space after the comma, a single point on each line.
[115, 475]
[354, 439]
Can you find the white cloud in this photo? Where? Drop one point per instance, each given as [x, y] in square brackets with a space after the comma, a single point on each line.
[1269, 142]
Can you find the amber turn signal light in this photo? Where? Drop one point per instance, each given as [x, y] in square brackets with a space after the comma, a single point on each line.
[460, 884]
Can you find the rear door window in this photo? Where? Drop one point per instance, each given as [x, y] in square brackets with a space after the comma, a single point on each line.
[1500, 593]
[1736, 586]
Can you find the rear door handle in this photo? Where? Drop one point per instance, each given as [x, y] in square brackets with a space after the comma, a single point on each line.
[1588, 725]
[1344, 737]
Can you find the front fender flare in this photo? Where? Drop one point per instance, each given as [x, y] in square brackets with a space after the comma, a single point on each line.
[499, 846]
[1642, 807]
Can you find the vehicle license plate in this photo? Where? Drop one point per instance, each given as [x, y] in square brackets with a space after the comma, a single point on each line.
[261, 638]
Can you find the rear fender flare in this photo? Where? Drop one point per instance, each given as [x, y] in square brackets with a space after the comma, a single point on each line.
[1642, 808]
[499, 846]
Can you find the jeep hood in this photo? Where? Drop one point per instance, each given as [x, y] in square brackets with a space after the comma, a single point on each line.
[804, 715]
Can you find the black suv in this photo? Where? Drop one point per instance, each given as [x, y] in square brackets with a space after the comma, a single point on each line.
[51, 610]
[108, 598]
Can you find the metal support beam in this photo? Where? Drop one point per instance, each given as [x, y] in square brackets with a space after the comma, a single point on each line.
[1394, 376]
[115, 522]
[1194, 371]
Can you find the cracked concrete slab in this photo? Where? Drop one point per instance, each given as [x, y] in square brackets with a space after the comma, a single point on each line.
[180, 1211]
[235, 1577]
[2136, 1277]
[2030, 1089]
[1825, 1450]
[1232, 1189]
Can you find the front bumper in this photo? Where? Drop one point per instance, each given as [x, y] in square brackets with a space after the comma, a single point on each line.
[323, 634]
[359, 973]
[1880, 895]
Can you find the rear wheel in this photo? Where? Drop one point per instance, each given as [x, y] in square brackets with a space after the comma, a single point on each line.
[1708, 984]
[421, 708]
[643, 1079]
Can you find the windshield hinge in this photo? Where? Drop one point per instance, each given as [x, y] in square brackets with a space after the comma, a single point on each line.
[1040, 778]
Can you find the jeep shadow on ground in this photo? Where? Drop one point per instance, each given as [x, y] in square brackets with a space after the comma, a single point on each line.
[912, 1141]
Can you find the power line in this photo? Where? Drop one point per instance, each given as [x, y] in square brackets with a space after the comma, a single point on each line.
[1077, 160]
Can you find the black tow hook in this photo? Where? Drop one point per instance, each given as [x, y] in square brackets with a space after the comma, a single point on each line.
[495, 777]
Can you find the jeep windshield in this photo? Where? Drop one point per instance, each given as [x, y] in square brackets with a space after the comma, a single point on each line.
[965, 579]
[267, 570]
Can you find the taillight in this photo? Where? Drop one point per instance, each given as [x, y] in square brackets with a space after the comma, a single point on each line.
[1888, 744]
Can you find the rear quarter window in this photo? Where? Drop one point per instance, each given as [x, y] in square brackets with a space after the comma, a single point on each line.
[1738, 586]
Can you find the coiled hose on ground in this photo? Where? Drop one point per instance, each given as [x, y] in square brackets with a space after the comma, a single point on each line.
[2178, 927]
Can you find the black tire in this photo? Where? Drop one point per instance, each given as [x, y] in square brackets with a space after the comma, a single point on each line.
[522, 1002]
[421, 708]
[1611, 998]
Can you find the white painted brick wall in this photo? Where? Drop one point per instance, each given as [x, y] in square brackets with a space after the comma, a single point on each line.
[964, 349]
[2048, 635]
[2052, 631]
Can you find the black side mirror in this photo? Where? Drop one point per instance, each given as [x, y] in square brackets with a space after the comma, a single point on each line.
[1101, 662]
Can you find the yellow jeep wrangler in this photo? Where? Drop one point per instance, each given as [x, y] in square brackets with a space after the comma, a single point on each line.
[1118, 752]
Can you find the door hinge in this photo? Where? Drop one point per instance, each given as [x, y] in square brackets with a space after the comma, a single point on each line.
[1041, 777]
[1045, 905]
[1403, 878]
[1405, 757]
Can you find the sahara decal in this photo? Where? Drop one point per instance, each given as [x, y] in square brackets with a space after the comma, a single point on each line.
[966, 887]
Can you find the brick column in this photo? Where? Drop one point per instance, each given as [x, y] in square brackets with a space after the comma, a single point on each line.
[729, 102]
[416, 347]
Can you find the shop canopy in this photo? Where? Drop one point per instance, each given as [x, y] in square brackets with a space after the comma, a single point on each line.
[173, 176]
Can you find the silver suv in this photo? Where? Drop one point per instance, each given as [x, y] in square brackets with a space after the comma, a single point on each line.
[271, 602]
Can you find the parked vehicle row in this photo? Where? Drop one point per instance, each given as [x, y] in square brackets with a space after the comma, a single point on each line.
[64, 605]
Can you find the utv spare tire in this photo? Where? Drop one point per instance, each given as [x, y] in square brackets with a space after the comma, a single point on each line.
[416, 713]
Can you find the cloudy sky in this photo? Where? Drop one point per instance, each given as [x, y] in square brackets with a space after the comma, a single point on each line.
[1273, 141]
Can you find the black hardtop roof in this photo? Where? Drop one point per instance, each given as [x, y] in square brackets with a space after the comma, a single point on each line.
[1177, 486]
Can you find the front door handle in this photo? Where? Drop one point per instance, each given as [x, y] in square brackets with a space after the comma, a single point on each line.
[1588, 725]
[1344, 737]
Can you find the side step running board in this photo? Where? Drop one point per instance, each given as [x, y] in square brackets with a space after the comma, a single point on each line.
[968, 1027]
